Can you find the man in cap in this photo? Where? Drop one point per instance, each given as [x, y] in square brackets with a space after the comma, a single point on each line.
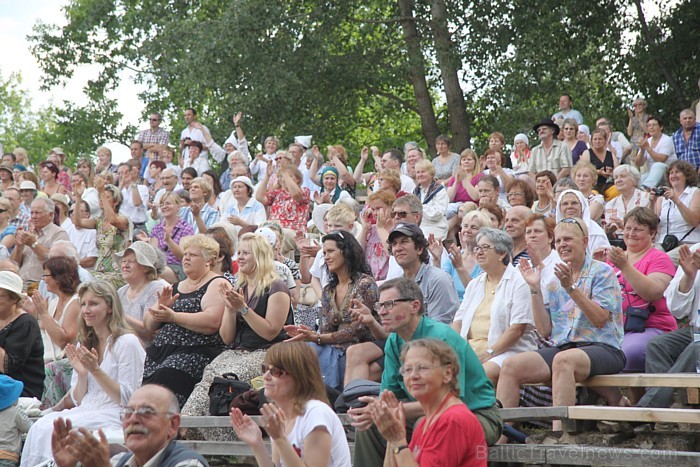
[27, 191]
[551, 154]
[409, 247]
[150, 421]
[32, 247]
[154, 136]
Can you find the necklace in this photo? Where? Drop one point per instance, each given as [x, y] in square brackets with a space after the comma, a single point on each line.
[196, 286]
[489, 289]
[546, 208]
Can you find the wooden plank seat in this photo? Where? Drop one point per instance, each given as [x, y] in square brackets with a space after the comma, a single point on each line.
[640, 380]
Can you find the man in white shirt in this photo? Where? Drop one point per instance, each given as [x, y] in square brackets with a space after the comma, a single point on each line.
[675, 351]
[566, 111]
[190, 133]
[391, 159]
[135, 199]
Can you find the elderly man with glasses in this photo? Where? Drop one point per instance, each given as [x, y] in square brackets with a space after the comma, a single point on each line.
[150, 422]
[402, 312]
[583, 319]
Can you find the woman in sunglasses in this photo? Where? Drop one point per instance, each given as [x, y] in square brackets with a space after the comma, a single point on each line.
[350, 281]
[303, 427]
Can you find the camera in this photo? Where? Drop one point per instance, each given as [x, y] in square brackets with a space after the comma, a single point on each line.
[659, 190]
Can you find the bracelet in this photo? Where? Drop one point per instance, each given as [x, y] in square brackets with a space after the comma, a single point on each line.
[534, 292]
[318, 339]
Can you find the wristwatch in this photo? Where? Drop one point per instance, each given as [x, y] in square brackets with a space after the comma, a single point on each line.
[245, 310]
[398, 449]
[489, 351]
[34, 245]
[570, 289]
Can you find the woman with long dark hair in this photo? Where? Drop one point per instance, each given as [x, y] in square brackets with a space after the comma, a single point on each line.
[350, 280]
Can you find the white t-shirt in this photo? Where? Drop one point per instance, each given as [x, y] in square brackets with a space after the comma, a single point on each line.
[318, 414]
[137, 214]
[664, 146]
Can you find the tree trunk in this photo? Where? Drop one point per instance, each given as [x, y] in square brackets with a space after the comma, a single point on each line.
[659, 58]
[416, 69]
[449, 64]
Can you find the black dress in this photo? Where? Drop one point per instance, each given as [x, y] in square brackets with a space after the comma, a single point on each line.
[602, 182]
[177, 357]
[24, 354]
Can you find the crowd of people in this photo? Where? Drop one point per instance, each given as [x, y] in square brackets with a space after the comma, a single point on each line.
[126, 289]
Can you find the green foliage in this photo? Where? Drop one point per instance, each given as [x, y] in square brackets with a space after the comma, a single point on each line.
[674, 47]
[20, 125]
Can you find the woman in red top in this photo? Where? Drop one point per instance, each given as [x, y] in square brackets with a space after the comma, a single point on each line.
[450, 434]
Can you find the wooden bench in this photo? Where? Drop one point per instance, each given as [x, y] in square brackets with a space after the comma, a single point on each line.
[688, 381]
[521, 453]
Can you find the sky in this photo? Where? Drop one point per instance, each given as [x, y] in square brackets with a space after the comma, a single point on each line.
[17, 18]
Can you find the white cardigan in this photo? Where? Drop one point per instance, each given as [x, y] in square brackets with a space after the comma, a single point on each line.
[511, 305]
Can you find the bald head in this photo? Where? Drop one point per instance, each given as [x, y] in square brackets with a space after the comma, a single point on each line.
[515, 222]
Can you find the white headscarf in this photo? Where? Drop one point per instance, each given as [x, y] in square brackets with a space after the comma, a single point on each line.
[596, 235]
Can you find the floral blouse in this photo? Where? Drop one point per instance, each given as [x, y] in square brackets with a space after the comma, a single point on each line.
[290, 213]
[337, 321]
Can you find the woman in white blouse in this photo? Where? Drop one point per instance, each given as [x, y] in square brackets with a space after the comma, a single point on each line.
[657, 152]
[435, 200]
[495, 316]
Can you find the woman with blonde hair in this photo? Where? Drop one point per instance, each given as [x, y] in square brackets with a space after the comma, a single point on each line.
[86, 167]
[462, 186]
[107, 368]
[585, 175]
[390, 180]
[187, 317]
[22, 158]
[303, 427]
[253, 319]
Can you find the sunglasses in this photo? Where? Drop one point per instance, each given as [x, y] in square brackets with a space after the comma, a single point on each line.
[571, 220]
[276, 372]
[3, 210]
[401, 214]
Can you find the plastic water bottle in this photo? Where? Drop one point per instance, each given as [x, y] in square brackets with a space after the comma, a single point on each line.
[696, 341]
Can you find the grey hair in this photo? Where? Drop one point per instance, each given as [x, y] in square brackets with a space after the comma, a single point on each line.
[66, 248]
[566, 183]
[406, 289]
[412, 201]
[49, 205]
[502, 242]
[630, 170]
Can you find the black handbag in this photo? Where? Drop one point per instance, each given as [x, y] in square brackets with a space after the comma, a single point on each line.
[223, 390]
[636, 318]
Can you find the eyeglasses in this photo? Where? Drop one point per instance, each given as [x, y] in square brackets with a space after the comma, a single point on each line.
[420, 369]
[401, 214]
[571, 220]
[482, 248]
[514, 193]
[389, 304]
[142, 412]
[276, 372]
[47, 275]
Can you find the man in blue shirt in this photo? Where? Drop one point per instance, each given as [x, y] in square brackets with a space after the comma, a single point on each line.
[686, 140]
